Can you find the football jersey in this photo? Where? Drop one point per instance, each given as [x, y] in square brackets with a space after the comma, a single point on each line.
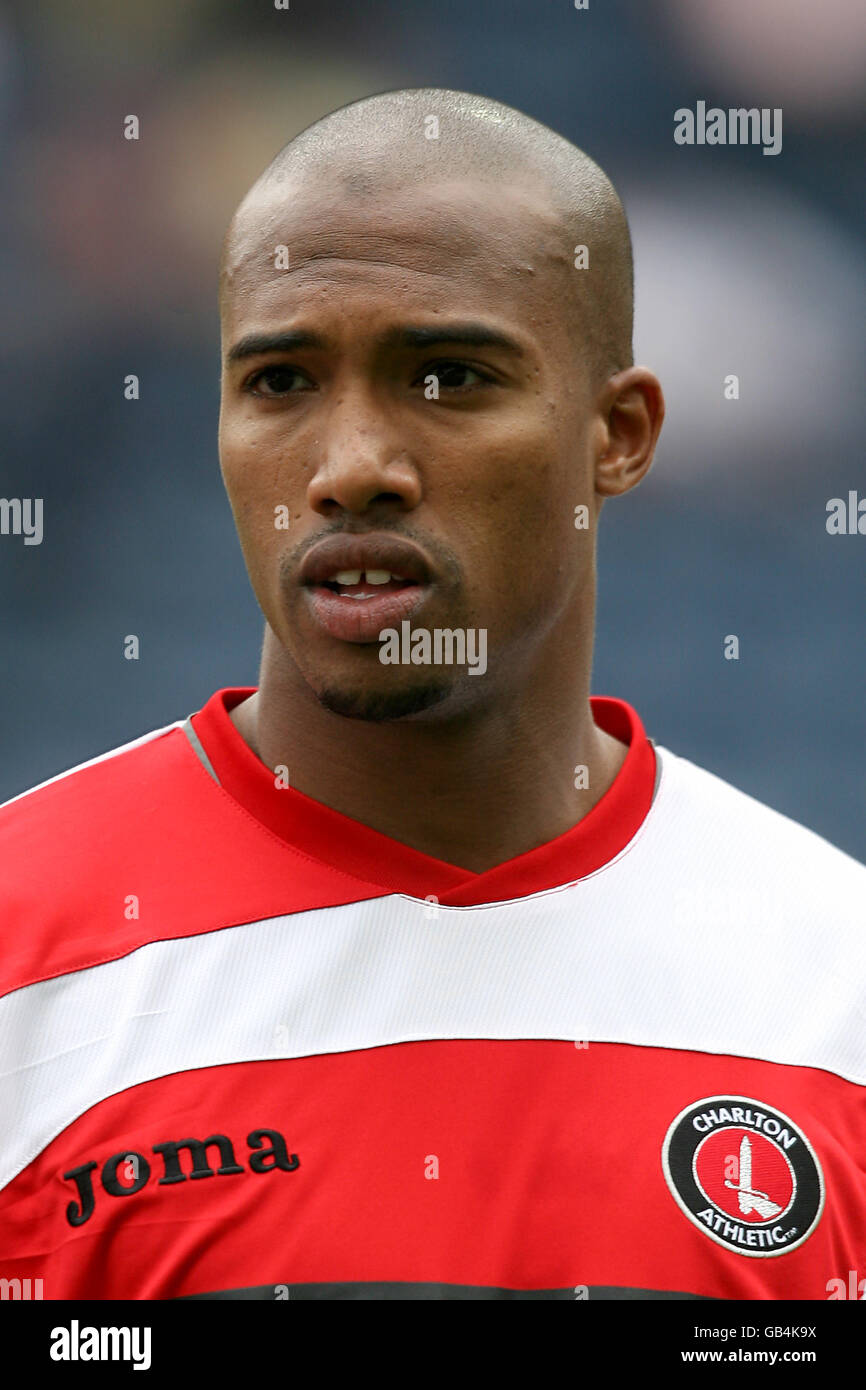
[252, 1048]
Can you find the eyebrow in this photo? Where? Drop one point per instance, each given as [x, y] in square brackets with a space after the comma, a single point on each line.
[463, 334]
[468, 334]
[254, 344]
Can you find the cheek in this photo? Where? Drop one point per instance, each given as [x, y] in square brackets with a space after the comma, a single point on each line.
[528, 488]
[259, 487]
[259, 539]
[237, 462]
[525, 548]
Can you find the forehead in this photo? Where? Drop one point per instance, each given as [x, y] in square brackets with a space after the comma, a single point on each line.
[449, 244]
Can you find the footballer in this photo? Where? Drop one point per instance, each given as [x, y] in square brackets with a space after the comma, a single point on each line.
[418, 971]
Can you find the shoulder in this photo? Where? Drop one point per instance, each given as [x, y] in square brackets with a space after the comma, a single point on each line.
[74, 848]
[738, 843]
[93, 789]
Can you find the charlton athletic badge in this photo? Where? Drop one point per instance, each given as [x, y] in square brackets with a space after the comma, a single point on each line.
[745, 1174]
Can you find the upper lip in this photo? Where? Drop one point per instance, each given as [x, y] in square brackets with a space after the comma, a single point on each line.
[371, 551]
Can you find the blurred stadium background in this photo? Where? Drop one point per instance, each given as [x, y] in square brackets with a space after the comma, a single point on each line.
[745, 263]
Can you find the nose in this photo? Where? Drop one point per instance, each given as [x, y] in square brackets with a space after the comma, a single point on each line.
[363, 462]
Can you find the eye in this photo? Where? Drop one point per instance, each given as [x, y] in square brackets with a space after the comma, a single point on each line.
[281, 381]
[455, 376]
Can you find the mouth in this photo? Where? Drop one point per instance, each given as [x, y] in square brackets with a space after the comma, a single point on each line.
[358, 585]
[363, 584]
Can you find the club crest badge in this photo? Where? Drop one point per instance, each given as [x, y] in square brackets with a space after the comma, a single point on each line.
[745, 1174]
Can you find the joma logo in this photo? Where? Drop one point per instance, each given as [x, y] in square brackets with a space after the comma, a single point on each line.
[136, 1168]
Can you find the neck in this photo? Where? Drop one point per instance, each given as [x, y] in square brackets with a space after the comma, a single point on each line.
[473, 791]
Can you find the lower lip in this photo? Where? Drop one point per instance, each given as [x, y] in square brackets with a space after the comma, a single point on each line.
[362, 619]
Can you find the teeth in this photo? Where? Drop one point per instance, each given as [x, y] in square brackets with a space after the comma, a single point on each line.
[350, 577]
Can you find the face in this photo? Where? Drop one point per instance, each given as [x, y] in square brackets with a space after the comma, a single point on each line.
[405, 432]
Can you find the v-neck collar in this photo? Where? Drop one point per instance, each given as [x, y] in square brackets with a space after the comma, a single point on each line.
[354, 848]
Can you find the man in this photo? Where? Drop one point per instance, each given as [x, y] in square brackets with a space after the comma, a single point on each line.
[449, 981]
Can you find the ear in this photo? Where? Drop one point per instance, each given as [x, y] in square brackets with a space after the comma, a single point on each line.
[630, 412]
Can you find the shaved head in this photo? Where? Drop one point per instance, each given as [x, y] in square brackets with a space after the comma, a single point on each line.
[429, 137]
[427, 396]
[426, 317]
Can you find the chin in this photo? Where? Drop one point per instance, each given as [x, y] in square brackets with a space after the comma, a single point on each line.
[381, 706]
